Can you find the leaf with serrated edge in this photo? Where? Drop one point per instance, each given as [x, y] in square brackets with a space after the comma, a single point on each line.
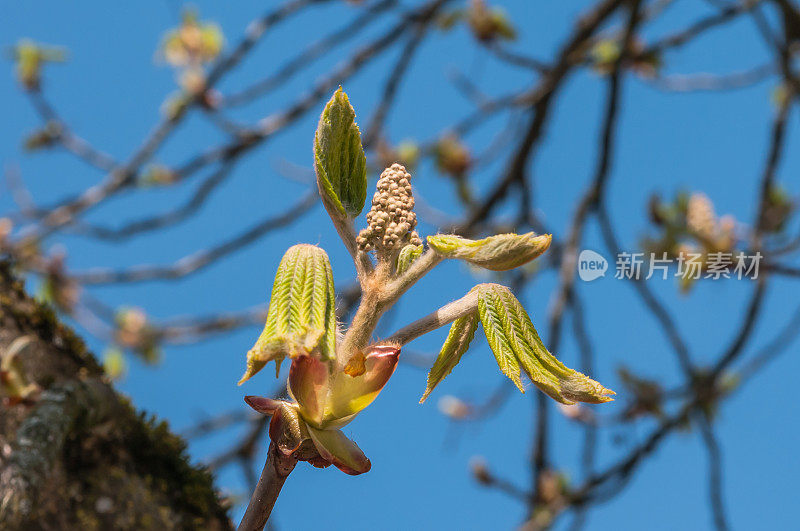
[516, 328]
[301, 315]
[511, 335]
[497, 253]
[329, 339]
[339, 159]
[495, 335]
[458, 339]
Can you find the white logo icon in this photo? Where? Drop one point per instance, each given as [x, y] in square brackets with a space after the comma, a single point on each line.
[591, 265]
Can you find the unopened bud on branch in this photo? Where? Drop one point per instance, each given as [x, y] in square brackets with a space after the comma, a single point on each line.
[498, 253]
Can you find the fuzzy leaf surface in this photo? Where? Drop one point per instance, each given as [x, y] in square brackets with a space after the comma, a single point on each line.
[301, 318]
[339, 159]
[497, 253]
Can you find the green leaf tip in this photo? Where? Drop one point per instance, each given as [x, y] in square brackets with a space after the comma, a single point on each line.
[516, 347]
[458, 339]
[407, 256]
[497, 253]
[339, 159]
[516, 344]
[301, 318]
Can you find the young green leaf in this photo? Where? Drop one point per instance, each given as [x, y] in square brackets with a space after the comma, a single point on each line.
[461, 333]
[407, 255]
[301, 318]
[498, 253]
[496, 336]
[339, 159]
[515, 343]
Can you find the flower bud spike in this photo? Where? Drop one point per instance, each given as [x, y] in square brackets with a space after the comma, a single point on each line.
[391, 219]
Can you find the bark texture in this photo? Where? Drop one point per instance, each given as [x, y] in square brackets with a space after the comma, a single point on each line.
[75, 454]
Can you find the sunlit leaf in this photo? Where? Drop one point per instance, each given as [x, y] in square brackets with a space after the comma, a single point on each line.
[492, 322]
[515, 342]
[339, 159]
[461, 333]
[407, 255]
[301, 318]
[498, 253]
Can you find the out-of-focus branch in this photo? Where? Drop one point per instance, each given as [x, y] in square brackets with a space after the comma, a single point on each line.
[539, 100]
[657, 309]
[714, 472]
[699, 27]
[69, 140]
[124, 175]
[159, 221]
[392, 84]
[517, 59]
[194, 262]
[714, 82]
[586, 350]
[590, 200]
[307, 56]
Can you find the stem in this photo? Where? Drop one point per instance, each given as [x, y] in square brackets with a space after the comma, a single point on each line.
[364, 322]
[367, 315]
[273, 476]
[344, 227]
[441, 317]
[418, 269]
[380, 293]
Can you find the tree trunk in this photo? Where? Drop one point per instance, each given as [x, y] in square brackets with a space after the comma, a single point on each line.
[74, 454]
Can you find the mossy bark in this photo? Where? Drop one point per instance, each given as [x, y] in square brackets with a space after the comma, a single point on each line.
[75, 454]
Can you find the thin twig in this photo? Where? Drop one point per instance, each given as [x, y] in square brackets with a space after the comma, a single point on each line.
[714, 472]
[276, 469]
[194, 262]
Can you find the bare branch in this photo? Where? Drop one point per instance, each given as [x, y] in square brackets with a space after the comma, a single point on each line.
[714, 472]
[194, 262]
[307, 56]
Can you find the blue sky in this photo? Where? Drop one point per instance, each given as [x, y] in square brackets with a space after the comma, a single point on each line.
[110, 92]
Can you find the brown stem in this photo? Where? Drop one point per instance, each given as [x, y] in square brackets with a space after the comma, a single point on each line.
[273, 476]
